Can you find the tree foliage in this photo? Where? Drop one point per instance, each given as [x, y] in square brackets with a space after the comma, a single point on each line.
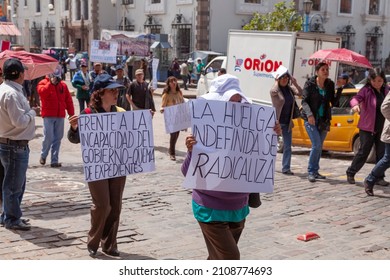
[283, 18]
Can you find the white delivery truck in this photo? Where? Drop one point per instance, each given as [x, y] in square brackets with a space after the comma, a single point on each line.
[253, 56]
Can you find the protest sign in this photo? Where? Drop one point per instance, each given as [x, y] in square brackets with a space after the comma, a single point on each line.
[236, 147]
[177, 117]
[116, 144]
[103, 51]
[155, 63]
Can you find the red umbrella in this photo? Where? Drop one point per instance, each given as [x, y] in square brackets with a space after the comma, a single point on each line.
[38, 64]
[343, 56]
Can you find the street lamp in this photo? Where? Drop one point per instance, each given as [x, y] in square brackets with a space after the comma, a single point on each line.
[307, 6]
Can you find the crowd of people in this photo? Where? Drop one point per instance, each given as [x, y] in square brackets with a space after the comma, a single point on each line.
[221, 215]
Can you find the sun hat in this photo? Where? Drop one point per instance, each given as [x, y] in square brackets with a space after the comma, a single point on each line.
[105, 81]
[281, 71]
[224, 87]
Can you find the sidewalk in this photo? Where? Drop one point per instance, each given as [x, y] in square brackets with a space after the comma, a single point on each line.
[157, 220]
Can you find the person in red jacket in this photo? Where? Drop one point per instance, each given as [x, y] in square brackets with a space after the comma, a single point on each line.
[55, 99]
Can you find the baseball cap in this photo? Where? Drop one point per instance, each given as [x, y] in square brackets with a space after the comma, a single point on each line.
[12, 67]
[57, 72]
[344, 76]
[97, 64]
[281, 71]
[105, 81]
[83, 64]
[139, 71]
[118, 67]
[224, 87]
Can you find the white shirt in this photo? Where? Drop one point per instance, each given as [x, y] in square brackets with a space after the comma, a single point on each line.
[17, 118]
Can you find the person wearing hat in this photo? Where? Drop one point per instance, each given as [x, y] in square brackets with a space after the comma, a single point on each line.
[121, 78]
[72, 62]
[140, 94]
[343, 82]
[283, 94]
[107, 193]
[81, 82]
[17, 128]
[221, 215]
[97, 70]
[56, 102]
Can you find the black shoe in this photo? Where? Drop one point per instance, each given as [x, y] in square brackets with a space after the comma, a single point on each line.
[114, 253]
[19, 226]
[369, 189]
[382, 182]
[56, 165]
[91, 251]
[319, 176]
[351, 179]
[288, 172]
[311, 178]
[42, 161]
[26, 221]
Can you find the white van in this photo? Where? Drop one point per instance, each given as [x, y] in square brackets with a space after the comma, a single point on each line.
[209, 73]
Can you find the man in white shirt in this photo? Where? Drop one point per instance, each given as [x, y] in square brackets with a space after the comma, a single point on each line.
[72, 61]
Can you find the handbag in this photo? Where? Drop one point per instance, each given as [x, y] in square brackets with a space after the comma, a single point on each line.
[254, 200]
[296, 111]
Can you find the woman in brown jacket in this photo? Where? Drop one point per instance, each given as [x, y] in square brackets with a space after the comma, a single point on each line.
[172, 95]
[283, 99]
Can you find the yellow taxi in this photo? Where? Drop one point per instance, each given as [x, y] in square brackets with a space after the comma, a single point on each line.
[343, 135]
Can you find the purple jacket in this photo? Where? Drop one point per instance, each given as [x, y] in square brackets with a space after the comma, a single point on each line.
[216, 199]
[367, 101]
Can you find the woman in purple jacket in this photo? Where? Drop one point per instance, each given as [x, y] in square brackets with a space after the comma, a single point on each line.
[221, 215]
[368, 103]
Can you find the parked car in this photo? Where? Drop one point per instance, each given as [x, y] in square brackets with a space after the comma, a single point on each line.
[343, 135]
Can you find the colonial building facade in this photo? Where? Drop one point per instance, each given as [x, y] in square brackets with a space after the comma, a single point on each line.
[194, 24]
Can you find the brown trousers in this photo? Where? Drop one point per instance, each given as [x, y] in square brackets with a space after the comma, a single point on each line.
[172, 143]
[222, 239]
[105, 212]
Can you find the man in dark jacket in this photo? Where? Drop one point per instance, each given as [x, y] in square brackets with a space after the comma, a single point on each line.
[56, 99]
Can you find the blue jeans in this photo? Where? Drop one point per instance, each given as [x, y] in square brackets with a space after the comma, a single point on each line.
[287, 139]
[82, 103]
[379, 168]
[14, 160]
[53, 131]
[317, 138]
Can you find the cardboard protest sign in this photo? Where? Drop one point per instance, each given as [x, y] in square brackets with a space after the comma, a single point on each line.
[103, 51]
[177, 117]
[236, 147]
[116, 144]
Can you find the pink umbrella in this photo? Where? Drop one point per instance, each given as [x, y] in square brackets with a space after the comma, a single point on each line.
[38, 64]
[343, 56]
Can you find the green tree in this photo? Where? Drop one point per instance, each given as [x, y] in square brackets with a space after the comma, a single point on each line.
[283, 18]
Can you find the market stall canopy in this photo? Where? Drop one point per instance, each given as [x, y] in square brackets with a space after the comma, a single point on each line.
[8, 28]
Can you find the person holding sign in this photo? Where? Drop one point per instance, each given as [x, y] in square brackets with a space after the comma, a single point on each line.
[106, 194]
[221, 215]
[318, 98]
[283, 99]
[172, 95]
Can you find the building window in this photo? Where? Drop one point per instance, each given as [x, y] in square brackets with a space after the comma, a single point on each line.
[345, 6]
[348, 37]
[182, 33]
[253, 1]
[25, 3]
[85, 9]
[374, 7]
[156, 2]
[78, 10]
[38, 6]
[66, 5]
[316, 5]
[374, 46]
[36, 35]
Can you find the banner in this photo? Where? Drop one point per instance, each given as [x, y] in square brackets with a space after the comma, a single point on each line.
[236, 147]
[177, 117]
[116, 144]
[155, 63]
[103, 51]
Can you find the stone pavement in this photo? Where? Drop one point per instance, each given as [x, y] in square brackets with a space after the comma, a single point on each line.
[157, 221]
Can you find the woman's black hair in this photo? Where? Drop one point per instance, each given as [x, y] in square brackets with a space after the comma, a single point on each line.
[319, 65]
[373, 73]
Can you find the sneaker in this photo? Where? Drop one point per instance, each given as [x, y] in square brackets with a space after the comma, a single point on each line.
[382, 182]
[288, 172]
[311, 178]
[351, 179]
[319, 176]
